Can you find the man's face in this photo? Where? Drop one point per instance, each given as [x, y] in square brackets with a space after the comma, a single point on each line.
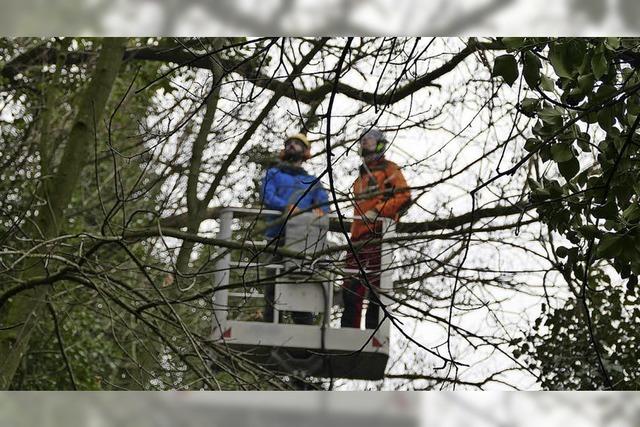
[294, 145]
[368, 144]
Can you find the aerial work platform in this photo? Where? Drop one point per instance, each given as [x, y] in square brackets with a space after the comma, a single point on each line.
[304, 283]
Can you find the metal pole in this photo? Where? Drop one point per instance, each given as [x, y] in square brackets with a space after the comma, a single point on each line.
[386, 275]
[276, 312]
[221, 276]
[328, 303]
[386, 253]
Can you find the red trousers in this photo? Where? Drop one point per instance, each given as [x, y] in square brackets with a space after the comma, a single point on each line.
[355, 288]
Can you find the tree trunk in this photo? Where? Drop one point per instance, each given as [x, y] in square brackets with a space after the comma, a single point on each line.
[21, 316]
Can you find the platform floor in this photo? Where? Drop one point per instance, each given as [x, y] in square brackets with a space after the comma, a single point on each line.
[362, 365]
[347, 353]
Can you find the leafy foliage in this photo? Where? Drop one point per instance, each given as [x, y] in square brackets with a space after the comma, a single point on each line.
[586, 125]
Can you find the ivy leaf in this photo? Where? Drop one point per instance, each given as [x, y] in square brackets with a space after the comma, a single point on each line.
[585, 83]
[533, 184]
[575, 51]
[545, 153]
[606, 211]
[581, 180]
[573, 96]
[540, 194]
[599, 65]
[632, 213]
[551, 116]
[583, 141]
[631, 118]
[589, 231]
[568, 136]
[546, 84]
[561, 152]
[559, 60]
[605, 92]
[529, 106]
[629, 42]
[506, 67]
[513, 42]
[606, 118]
[612, 42]
[609, 246]
[633, 105]
[569, 169]
[562, 252]
[537, 191]
[631, 284]
[531, 69]
[629, 247]
[531, 144]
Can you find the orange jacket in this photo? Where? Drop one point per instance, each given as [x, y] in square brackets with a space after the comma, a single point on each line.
[377, 189]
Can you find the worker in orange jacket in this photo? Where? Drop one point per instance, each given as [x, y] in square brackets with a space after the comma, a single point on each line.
[379, 191]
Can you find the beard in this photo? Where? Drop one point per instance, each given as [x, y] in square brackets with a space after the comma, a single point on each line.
[292, 156]
[372, 157]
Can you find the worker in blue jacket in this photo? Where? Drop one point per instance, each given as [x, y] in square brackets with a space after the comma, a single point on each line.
[287, 187]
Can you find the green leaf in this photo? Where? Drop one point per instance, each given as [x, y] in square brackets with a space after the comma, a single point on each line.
[547, 84]
[585, 83]
[581, 180]
[609, 246]
[531, 69]
[537, 191]
[554, 188]
[506, 67]
[591, 117]
[633, 105]
[569, 169]
[632, 213]
[599, 65]
[585, 64]
[573, 96]
[533, 184]
[606, 211]
[531, 144]
[568, 136]
[617, 139]
[513, 42]
[545, 153]
[540, 194]
[561, 152]
[606, 118]
[629, 42]
[583, 141]
[589, 231]
[605, 92]
[632, 283]
[551, 115]
[612, 42]
[576, 51]
[559, 60]
[562, 252]
[529, 106]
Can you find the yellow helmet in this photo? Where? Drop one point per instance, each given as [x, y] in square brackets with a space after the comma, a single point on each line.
[301, 137]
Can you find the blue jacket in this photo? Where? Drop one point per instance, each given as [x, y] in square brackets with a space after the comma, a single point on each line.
[284, 185]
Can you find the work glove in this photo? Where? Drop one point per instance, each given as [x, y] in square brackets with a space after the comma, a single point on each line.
[293, 210]
[318, 211]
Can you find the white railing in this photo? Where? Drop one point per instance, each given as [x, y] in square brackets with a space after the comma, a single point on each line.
[224, 265]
